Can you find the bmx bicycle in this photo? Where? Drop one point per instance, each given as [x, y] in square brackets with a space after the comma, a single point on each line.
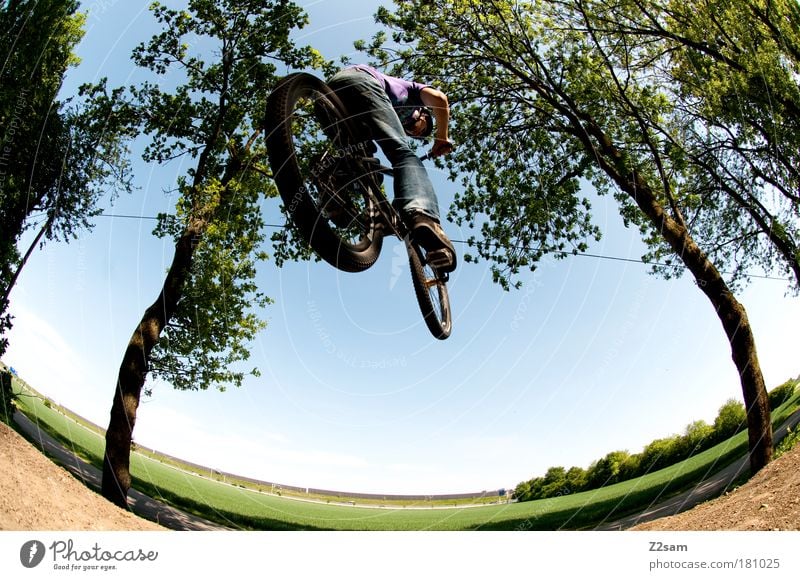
[331, 185]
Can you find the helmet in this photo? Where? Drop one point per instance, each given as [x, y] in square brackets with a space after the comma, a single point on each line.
[413, 118]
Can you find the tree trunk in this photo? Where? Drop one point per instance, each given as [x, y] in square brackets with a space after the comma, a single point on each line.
[134, 367]
[740, 336]
[24, 260]
[730, 312]
[135, 363]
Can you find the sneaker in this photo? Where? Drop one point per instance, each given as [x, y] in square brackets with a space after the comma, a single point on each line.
[428, 233]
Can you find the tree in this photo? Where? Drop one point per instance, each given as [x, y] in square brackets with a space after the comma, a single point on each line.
[522, 492]
[554, 483]
[57, 158]
[606, 471]
[549, 98]
[576, 479]
[782, 393]
[695, 438]
[196, 332]
[728, 70]
[7, 396]
[731, 418]
[658, 454]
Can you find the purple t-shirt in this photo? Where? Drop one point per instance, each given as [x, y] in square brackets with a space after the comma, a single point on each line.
[404, 95]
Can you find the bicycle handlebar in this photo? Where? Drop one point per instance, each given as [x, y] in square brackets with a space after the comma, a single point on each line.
[448, 151]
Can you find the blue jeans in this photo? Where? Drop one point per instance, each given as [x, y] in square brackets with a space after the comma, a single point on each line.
[365, 99]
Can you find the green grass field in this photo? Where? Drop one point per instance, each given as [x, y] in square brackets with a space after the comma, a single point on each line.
[242, 508]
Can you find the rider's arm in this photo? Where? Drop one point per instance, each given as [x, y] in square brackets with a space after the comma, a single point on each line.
[436, 100]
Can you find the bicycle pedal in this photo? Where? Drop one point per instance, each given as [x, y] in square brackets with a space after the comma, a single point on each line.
[440, 260]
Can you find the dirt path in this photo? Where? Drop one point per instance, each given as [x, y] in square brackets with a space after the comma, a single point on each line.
[36, 494]
[712, 487]
[21, 462]
[770, 500]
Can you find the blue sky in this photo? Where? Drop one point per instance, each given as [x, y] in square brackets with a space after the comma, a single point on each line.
[590, 356]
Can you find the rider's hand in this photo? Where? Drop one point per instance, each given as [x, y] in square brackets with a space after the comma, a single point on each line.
[441, 147]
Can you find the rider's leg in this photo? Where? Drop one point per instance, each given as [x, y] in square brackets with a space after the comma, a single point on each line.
[414, 195]
[413, 191]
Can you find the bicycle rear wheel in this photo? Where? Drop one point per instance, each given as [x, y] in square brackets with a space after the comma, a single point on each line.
[313, 153]
[431, 290]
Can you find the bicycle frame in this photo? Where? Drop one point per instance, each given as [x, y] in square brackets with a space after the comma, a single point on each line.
[389, 215]
[331, 184]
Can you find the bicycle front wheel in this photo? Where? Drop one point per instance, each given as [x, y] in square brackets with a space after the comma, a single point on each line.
[313, 154]
[430, 288]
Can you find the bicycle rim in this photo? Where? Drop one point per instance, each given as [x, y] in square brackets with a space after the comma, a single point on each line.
[431, 292]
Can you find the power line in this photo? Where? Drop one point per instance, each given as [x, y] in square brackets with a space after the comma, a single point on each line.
[546, 251]
[125, 216]
[148, 217]
[623, 259]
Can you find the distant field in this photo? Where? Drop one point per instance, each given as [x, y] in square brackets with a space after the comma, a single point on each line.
[242, 508]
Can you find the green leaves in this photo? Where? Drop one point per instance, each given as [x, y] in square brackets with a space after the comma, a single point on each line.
[207, 338]
[697, 102]
[214, 64]
[57, 159]
[520, 172]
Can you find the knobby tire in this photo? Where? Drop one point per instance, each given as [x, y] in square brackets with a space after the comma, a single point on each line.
[431, 292]
[299, 186]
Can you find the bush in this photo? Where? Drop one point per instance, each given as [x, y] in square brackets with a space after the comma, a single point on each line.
[789, 442]
[697, 437]
[7, 398]
[659, 454]
[731, 419]
[606, 471]
[620, 466]
[779, 395]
